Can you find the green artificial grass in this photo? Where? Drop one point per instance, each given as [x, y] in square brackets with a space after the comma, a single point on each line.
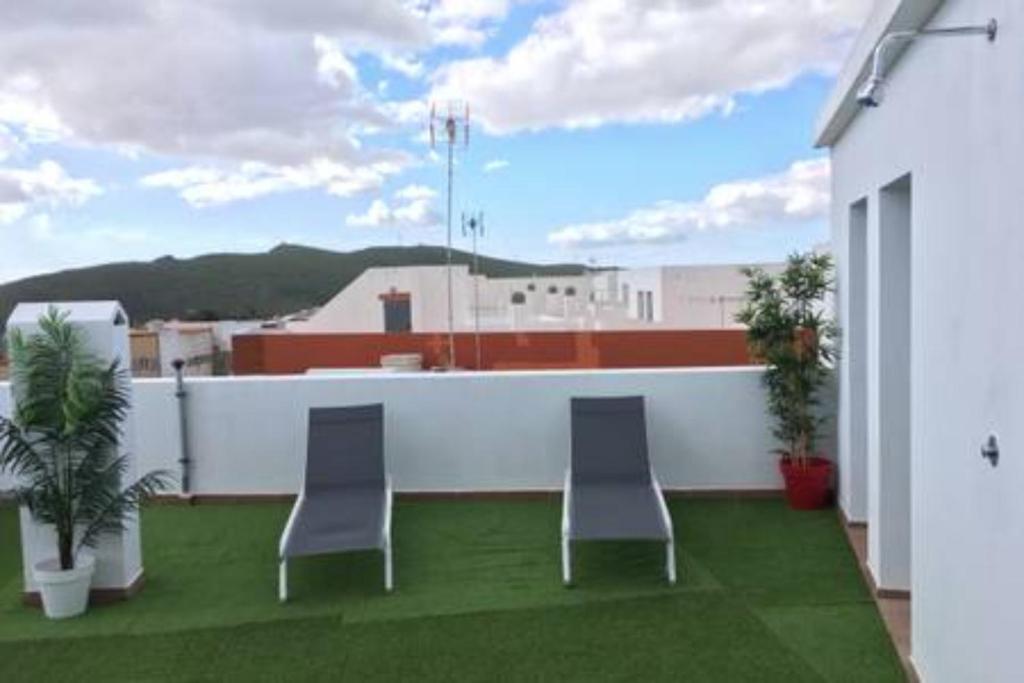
[765, 594]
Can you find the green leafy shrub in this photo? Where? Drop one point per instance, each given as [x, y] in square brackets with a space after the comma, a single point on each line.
[791, 331]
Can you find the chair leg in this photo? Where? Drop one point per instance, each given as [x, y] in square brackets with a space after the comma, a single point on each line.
[566, 562]
[282, 580]
[388, 570]
[670, 561]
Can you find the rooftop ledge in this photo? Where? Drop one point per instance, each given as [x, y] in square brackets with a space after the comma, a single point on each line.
[362, 374]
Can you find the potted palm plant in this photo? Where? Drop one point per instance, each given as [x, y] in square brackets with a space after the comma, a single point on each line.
[788, 328]
[61, 445]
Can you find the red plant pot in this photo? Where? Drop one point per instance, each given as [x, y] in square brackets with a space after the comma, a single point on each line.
[807, 484]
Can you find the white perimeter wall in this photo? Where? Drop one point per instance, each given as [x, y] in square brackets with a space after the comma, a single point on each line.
[952, 118]
[707, 428]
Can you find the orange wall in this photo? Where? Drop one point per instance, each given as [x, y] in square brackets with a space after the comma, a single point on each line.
[287, 353]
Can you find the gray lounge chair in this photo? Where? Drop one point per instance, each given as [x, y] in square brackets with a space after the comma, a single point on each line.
[610, 489]
[345, 503]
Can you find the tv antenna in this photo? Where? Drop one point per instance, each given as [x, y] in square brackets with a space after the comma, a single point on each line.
[457, 117]
[475, 224]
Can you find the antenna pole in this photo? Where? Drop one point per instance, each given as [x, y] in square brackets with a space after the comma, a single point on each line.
[476, 293]
[451, 307]
[476, 301]
[451, 130]
[475, 224]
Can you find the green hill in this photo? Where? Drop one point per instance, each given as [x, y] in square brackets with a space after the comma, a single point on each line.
[285, 279]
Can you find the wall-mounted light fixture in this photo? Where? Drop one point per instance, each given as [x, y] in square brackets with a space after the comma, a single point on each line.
[990, 450]
[870, 94]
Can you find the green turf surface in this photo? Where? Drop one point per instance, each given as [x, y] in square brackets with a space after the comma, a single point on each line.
[765, 594]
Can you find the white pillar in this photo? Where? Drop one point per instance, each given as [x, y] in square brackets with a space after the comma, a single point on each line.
[889, 325]
[104, 325]
[853, 411]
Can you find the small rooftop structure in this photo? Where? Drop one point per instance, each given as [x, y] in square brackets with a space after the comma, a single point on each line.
[80, 311]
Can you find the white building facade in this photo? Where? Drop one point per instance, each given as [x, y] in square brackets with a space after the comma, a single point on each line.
[927, 230]
[414, 298]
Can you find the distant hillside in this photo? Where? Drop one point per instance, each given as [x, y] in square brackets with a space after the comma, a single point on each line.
[285, 279]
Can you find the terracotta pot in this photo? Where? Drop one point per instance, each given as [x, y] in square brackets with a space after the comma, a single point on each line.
[808, 484]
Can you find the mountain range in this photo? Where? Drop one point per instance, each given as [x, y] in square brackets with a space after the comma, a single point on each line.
[286, 279]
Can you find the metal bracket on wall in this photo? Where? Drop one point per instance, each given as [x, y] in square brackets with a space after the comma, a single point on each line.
[990, 450]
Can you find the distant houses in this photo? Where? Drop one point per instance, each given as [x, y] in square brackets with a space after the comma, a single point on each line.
[415, 299]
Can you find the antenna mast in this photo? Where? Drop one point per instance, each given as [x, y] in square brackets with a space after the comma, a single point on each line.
[475, 225]
[451, 133]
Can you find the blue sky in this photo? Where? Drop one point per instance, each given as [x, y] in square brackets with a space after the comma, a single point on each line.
[630, 132]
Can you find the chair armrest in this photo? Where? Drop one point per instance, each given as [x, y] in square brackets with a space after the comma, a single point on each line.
[388, 501]
[290, 524]
[566, 502]
[665, 516]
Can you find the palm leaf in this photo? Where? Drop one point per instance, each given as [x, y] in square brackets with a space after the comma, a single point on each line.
[62, 441]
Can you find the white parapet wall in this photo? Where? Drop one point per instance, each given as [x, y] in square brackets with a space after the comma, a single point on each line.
[495, 431]
[506, 431]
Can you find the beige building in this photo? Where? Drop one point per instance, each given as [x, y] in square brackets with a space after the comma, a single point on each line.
[205, 347]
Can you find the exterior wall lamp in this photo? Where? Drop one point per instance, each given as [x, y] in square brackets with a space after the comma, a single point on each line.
[870, 94]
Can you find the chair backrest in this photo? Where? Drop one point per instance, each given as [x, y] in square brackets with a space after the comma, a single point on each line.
[609, 441]
[345, 448]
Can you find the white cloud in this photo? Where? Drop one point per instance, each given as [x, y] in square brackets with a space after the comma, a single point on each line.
[376, 215]
[203, 186]
[21, 107]
[332, 66]
[495, 165]
[799, 194]
[409, 67]
[596, 61]
[12, 211]
[362, 21]
[408, 112]
[48, 184]
[412, 207]
[415, 193]
[9, 143]
[213, 83]
[467, 23]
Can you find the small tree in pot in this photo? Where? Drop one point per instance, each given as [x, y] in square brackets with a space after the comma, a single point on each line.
[788, 328]
[61, 444]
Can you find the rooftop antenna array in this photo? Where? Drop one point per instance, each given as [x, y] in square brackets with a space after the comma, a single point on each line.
[475, 224]
[457, 117]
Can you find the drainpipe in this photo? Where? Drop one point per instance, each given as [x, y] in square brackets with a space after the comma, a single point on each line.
[180, 394]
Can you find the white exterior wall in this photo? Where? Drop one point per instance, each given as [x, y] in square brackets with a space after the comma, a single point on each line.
[641, 280]
[707, 297]
[683, 297]
[358, 308]
[951, 117]
[194, 346]
[461, 431]
[542, 310]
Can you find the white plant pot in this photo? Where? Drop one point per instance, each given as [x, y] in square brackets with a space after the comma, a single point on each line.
[65, 592]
